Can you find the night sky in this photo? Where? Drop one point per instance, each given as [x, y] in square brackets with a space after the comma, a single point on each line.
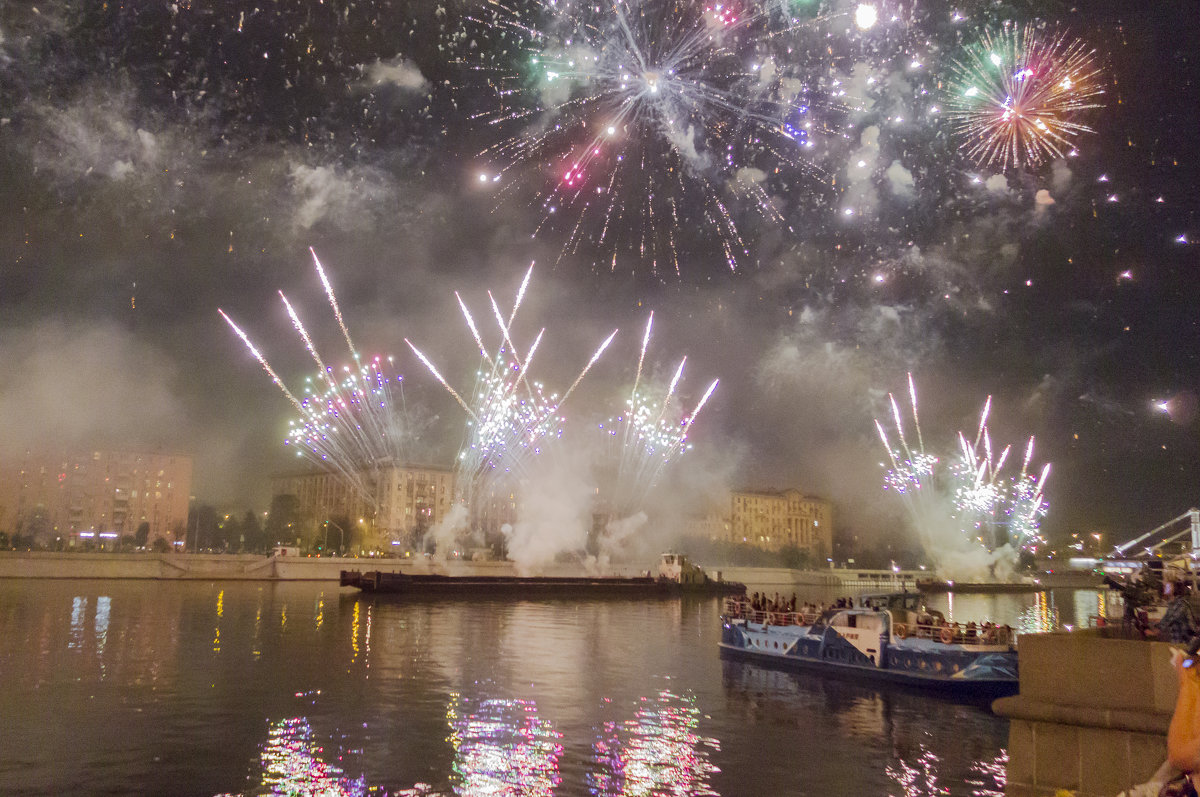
[161, 160]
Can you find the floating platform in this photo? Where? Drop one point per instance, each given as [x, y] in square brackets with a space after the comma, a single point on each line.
[376, 581]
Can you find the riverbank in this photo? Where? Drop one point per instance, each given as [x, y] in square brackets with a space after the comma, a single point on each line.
[253, 567]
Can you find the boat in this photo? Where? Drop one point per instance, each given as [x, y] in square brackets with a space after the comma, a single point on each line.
[886, 638]
[675, 576]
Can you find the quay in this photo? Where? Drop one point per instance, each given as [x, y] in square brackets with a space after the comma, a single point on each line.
[255, 567]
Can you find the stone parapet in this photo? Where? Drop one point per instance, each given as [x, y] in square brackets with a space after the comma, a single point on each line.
[1092, 714]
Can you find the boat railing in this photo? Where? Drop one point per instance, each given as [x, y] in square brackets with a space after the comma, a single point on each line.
[956, 633]
[745, 610]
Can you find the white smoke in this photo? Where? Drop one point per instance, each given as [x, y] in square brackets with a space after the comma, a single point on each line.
[618, 536]
[398, 72]
[860, 195]
[344, 197]
[450, 533]
[555, 506]
[997, 184]
[1060, 175]
[901, 180]
[684, 142]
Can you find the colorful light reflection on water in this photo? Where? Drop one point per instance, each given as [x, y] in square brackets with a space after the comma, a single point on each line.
[656, 753]
[309, 695]
[921, 777]
[502, 748]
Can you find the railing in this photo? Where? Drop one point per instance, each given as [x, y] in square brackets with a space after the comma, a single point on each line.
[746, 611]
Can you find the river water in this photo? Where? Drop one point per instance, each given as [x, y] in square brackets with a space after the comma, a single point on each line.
[133, 687]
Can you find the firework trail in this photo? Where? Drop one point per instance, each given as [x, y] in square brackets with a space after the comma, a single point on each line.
[337, 312]
[433, 370]
[1014, 96]
[642, 354]
[700, 405]
[470, 325]
[649, 114]
[262, 361]
[312, 349]
[591, 362]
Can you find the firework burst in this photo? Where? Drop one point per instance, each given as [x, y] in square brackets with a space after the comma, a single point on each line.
[970, 493]
[510, 416]
[640, 442]
[635, 124]
[1015, 95]
[351, 421]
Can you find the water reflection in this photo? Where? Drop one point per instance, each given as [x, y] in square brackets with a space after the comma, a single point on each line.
[656, 753]
[502, 748]
[891, 728]
[600, 698]
[921, 778]
[1041, 617]
[293, 765]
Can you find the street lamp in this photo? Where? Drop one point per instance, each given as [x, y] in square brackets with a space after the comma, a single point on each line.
[341, 535]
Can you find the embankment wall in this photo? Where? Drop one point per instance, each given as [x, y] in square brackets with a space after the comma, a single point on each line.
[1092, 714]
[246, 567]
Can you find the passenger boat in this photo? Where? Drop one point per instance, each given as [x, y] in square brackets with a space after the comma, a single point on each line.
[890, 638]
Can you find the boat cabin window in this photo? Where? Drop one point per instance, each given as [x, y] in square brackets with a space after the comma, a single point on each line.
[852, 620]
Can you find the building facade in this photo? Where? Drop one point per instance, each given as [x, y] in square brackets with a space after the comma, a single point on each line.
[95, 496]
[401, 503]
[775, 519]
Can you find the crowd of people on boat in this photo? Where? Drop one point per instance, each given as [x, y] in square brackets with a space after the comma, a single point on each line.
[931, 625]
[779, 610]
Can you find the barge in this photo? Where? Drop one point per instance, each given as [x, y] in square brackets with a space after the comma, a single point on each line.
[675, 576]
[933, 586]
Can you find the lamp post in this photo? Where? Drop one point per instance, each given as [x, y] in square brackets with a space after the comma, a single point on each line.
[341, 535]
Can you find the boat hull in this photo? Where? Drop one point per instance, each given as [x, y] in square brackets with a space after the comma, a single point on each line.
[981, 689]
[975, 671]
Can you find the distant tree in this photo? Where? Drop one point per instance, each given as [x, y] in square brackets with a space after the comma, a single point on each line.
[254, 538]
[35, 529]
[160, 545]
[4, 541]
[142, 535]
[796, 558]
[229, 532]
[127, 543]
[202, 527]
[283, 520]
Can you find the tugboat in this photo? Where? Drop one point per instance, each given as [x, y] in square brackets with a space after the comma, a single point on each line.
[889, 638]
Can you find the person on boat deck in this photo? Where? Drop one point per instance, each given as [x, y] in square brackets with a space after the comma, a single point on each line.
[1183, 734]
[1178, 624]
